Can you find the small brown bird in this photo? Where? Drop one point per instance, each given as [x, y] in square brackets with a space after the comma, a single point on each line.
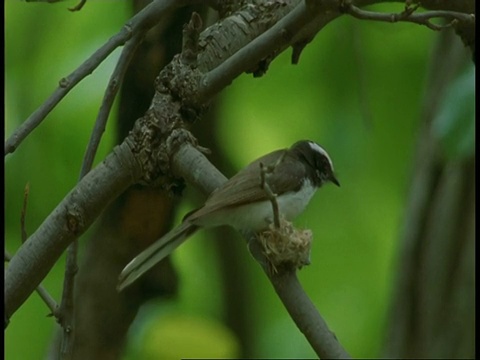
[243, 203]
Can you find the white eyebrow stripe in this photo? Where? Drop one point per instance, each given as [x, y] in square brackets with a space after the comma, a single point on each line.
[315, 147]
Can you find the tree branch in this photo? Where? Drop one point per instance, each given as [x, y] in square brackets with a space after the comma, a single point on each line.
[409, 15]
[75, 213]
[272, 41]
[265, 172]
[139, 24]
[41, 291]
[65, 311]
[23, 214]
[109, 97]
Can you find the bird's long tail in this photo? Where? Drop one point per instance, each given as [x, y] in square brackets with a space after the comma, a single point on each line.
[154, 254]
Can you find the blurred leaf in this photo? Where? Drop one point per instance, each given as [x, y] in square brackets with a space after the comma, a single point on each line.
[454, 124]
[168, 336]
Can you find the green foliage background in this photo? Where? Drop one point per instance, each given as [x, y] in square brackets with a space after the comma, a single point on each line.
[357, 91]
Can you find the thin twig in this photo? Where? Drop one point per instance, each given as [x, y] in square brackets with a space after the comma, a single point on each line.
[23, 214]
[65, 313]
[109, 97]
[44, 295]
[409, 15]
[65, 85]
[141, 22]
[265, 172]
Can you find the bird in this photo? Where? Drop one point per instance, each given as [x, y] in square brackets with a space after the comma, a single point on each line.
[243, 203]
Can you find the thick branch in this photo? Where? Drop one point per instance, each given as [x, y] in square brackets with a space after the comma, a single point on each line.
[41, 291]
[273, 41]
[139, 24]
[77, 211]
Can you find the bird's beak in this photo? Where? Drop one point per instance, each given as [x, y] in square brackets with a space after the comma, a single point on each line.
[334, 180]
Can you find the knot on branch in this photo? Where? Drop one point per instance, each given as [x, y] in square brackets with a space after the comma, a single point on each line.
[180, 81]
[154, 140]
[174, 106]
[74, 219]
[191, 34]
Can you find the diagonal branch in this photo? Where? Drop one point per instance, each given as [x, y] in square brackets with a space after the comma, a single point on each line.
[75, 213]
[139, 24]
[41, 291]
[278, 37]
[109, 97]
[409, 15]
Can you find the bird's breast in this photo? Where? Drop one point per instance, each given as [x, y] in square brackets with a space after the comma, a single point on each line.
[258, 215]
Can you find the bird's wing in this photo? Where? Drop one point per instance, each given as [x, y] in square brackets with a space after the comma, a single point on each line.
[154, 254]
[243, 188]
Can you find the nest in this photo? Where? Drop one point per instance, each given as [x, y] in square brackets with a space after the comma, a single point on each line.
[286, 246]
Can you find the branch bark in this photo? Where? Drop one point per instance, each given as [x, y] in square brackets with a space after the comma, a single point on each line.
[75, 213]
[138, 25]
